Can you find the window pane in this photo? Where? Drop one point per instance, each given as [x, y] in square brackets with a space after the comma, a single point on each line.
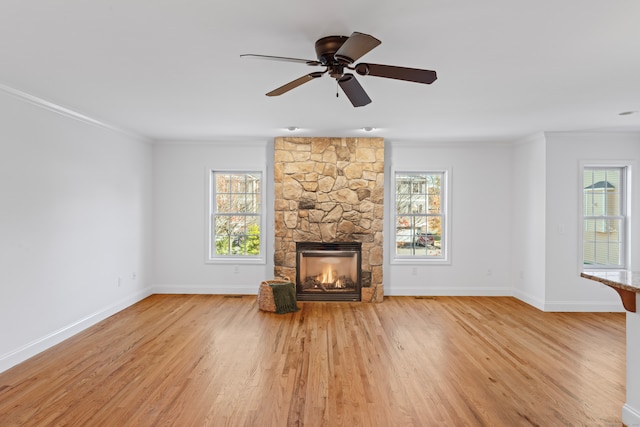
[237, 183]
[603, 238]
[237, 203]
[403, 232]
[418, 230]
[434, 204]
[222, 183]
[588, 203]
[222, 203]
[402, 184]
[237, 214]
[222, 226]
[222, 245]
[419, 204]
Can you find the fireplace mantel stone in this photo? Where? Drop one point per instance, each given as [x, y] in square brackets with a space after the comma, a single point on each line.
[330, 190]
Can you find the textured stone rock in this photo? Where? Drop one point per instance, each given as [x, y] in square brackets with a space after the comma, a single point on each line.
[310, 186]
[334, 214]
[316, 215]
[365, 155]
[291, 189]
[346, 227]
[330, 170]
[328, 231]
[343, 154]
[375, 256]
[299, 167]
[353, 171]
[340, 183]
[301, 156]
[282, 156]
[307, 204]
[363, 193]
[344, 195]
[325, 184]
[291, 219]
[329, 157]
[373, 294]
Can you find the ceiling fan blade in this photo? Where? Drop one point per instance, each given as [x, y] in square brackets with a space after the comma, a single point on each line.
[399, 73]
[294, 84]
[353, 90]
[356, 46]
[280, 58]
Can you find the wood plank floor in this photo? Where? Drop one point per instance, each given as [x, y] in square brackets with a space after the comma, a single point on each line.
[197, 360]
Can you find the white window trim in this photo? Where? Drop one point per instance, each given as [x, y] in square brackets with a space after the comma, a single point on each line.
[629, 165]
[210, 258]
[445, 258]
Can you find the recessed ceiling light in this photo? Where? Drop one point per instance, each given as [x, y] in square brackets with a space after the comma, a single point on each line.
[292, 128]
[627, 113]
[368, 129]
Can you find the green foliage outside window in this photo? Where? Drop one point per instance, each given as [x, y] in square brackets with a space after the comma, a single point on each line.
[239, 244]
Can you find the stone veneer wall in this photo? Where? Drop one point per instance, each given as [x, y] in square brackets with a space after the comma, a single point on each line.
[330, 190]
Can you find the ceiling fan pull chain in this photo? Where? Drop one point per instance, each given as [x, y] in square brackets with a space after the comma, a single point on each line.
[337, 91]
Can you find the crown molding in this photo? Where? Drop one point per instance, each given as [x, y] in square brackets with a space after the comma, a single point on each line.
[67, 112]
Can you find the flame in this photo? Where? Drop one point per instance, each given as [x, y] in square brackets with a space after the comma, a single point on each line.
[329, 277]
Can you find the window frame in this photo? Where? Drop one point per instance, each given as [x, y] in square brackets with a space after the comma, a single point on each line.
[445, 213]
[624, 216]
[210, 255]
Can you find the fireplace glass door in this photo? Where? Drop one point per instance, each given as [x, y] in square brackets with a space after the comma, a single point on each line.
[328, 271]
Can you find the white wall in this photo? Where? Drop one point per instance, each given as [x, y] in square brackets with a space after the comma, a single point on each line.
[528, 220]
[75, 205]
[180, 217]
[481, 183]
[565, 289]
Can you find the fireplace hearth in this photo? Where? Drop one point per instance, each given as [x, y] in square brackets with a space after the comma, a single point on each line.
[328, 271]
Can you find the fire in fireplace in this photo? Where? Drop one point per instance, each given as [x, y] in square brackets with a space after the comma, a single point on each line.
[328, 271]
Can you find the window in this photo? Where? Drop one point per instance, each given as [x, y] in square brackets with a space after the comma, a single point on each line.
[604, 242]
[420, 215]
[236, 217]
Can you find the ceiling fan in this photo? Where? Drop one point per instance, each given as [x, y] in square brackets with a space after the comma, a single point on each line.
[337, 54]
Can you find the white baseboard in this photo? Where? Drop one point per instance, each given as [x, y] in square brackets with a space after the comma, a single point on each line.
[582, 307]
[23, 353]
[448, 291]
[529, 299]
[630, 416]
[206, 289]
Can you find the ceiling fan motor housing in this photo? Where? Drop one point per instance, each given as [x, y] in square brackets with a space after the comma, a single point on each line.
[327, 47]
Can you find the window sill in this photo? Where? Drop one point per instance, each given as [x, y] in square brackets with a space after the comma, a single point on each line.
[420, 261]
[236, 260]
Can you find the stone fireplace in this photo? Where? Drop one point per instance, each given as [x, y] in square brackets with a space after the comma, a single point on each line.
[330, 191]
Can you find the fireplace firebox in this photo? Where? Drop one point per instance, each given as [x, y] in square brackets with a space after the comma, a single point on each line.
[328, 271]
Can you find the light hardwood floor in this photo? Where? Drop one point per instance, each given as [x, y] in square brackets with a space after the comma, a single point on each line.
[196, 360]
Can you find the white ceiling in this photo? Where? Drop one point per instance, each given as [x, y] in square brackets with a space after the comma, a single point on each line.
[171, 69]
